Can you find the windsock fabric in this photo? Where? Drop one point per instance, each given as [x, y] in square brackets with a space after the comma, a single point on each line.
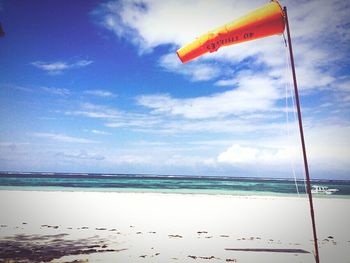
[265, 21]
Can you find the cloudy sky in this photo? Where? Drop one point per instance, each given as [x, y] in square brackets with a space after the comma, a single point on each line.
[91, 86]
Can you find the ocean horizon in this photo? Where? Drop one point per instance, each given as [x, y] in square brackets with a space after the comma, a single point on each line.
[183, 184]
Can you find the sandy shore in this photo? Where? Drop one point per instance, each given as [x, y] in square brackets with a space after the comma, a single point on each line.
[147, 227]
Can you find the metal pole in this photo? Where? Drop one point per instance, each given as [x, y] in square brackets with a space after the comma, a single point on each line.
[308, 184]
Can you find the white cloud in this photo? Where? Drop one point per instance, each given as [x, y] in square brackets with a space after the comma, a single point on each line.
[13, 145]
[81, 63]
[131, 159]
[170, 116]
[62, 137]
[253, 94]
[226, 82]
[60, 66]
[98, 132]
[114, 118]
[344, 85]
[136, 122]
[196, 71]
[17, 87]
[95, 111]
[82, 155]
[57, 91]
[328, 149]
[54, 67]
[237, 154]
[310, 78]
[328, 16]
[151, 23]
[346, 98]
[329, 146]
[100, 93]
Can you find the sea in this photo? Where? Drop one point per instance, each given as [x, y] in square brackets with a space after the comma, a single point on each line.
[245, 186]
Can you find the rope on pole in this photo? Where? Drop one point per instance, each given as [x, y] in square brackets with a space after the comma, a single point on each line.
[308, 184]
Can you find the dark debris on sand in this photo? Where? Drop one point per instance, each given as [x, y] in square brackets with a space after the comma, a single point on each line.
[45, 248]
[198, 257]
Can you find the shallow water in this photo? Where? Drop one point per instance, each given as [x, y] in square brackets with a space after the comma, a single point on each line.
[164, 184]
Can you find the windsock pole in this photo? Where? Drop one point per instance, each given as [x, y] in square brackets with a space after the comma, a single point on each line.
[308, 184]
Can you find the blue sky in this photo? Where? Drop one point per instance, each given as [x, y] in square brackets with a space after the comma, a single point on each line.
[91, 86]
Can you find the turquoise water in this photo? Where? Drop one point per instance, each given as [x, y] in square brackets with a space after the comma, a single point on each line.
[163, 184]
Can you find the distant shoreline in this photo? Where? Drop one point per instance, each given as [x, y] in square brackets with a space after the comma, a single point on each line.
[169, 176]
[169, 184]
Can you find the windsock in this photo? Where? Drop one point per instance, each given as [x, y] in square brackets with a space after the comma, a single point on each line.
[265, 21]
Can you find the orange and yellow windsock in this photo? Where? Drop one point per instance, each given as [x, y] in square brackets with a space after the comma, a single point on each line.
[265, 21]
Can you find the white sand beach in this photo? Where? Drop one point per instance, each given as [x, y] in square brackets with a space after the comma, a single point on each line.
[154, 227]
